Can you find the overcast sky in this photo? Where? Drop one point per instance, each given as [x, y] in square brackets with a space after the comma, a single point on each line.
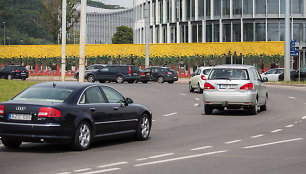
[123, 3]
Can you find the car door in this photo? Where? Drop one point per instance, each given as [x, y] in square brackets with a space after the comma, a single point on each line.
[94, 102]
[103, 73]
[194, 78]
[261, 89]
[124, 116]
[155, 73]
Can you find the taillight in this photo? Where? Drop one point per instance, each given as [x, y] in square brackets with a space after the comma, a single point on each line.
[130, 70]
[1, 110]
[17, 71]
[208, 86]
[143, 74]
[49, 112]
[248, 86]
[203, 77]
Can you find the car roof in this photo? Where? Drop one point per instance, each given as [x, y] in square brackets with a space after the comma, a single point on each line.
[205, 67]
[233, 66]
[67, 85]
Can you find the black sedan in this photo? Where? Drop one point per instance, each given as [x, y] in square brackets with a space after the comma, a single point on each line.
[71, 112]
[14, 72]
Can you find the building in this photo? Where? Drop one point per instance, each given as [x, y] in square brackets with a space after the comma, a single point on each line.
[187, 21]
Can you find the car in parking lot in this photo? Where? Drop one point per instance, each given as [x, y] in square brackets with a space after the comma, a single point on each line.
[14, 72]
[198, 79]
[235, 87]
[91, 68]
[295, 75]
[73, 113]
[115, 73]
[163, 74]
[273, 74]
[145, 75]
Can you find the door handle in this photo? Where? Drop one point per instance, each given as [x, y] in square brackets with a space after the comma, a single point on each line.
[115, 108]
[92, 109]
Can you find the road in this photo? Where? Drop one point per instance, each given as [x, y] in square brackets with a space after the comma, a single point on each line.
[184, 140]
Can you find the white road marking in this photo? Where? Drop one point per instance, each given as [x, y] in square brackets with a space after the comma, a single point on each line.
[102, 171]
[199, 99]
[231, 142]
[180, 158]
[291, 125]
[82, 170]
[257, 136]
[113, 164]
[64, 173]
[292, 97]
[197, 104]
[296, 122]
[182, 94]
[277, 130]
[162, 155]
[304, 118]
[272, 143]
[167, 115]
[153, 120]
[200, 148]
[141, 159]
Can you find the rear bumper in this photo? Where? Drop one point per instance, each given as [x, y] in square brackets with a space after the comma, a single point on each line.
[247, 98]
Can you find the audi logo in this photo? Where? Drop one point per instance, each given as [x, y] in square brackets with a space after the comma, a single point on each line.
[19, 108]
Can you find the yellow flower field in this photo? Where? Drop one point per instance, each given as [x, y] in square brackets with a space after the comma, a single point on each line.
[173, 49]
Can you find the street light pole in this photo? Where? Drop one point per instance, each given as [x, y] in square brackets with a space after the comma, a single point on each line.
[4, 33]
[64, 5]
[287, 42]
[82, 41]
[147, 26]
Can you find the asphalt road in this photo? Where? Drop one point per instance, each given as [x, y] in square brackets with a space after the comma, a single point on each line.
[184, 140]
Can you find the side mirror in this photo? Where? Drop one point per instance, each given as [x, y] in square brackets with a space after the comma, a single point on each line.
[129, 101]
[265, 79]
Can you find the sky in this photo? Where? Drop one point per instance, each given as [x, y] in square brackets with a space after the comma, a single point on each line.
[123, 3]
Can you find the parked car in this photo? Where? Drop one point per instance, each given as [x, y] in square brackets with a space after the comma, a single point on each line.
[198, 79]
[73, 113]
[273, 74]
[91, 68]
[300, 74]
[145, 75]
[14, 72]
[163, 74]
[235, 87]
[292, 74]
[115, 73]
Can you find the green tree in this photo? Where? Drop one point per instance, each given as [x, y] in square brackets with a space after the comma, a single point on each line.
[124, 35]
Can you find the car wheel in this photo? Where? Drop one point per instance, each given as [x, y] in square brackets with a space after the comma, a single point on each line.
[199, 89]
[101, 81]
[119, 79]
[91, 79]
[9, 77]
[130, 81]
[23, 78]
[144, 81]
[144, 128]
[253, 109]
[265, 106]
[161, 79]
[190, 87]
[11, 143]
[82, 137]
[207, 110]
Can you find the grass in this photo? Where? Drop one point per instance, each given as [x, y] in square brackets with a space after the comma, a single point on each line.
[10, 88]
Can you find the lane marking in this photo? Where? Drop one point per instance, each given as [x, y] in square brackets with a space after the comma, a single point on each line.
[199, 99]
[64, 173]
[182, 94]
[277, 130]
[201, 148]
[82, 170]
[141, 159]
[296, 122]
[291, 125]
[197, 104]
[153, 120]
[257, 136]
[231, 142]
[102, 171]
[292, 97]
[167, 115]
[180, 158]
[304, 118]
[162, 155]
[272, 143]
[113, 164]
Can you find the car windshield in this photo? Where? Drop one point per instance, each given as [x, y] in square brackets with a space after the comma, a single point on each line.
[229, 74]
[44, 94]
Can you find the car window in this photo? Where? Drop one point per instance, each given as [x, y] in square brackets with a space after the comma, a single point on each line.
[21, 68]
[206, 71]
[279, 71]
[256, 74]
[92, 95]
[155, 70]
[229, 74]
[105, 69]
[112, 95]
[271, 71]
[44, 94]
[90, 68]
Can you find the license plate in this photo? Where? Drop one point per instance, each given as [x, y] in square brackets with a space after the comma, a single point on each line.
[227, 86]
[27, 117]
[135, 74]
[175, 77]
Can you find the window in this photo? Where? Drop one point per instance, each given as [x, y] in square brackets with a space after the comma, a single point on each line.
[260, 31]
[217, 8]
[297, 6]
[208, 6]
[194, 33]
[232, 74]
[297, 32]
[248, 7]
[92, 95]
[237, 32]
[273, 32]
[199, 33]
[201, 9]
[260, 6]
[216, 33]
[237, 7]
[226, 7]
[248, 33]
[206, 71]
[112, 95]
[208, 33]
[273, 6]
[226, 32]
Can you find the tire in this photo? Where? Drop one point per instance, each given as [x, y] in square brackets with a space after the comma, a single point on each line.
[130, 81]
[190, 87]
[265, 106]
[253, 109]
[23, 78]
[144, 81]
[207, 110]
[199, 89]
[83, 137]
[11, 143]
[10, 77]
[143, 128]
[171, 82]
[160, 79]
[119, 79]
[91, 78]
[101, 81]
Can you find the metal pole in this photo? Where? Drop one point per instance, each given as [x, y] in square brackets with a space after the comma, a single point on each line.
[300, 52]
[64, 4]
[287, 42]
[4, 34]
[82, 41]
[147, 26]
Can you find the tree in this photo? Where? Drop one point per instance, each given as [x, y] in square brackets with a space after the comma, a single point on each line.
[124, 35]
[51, 16]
